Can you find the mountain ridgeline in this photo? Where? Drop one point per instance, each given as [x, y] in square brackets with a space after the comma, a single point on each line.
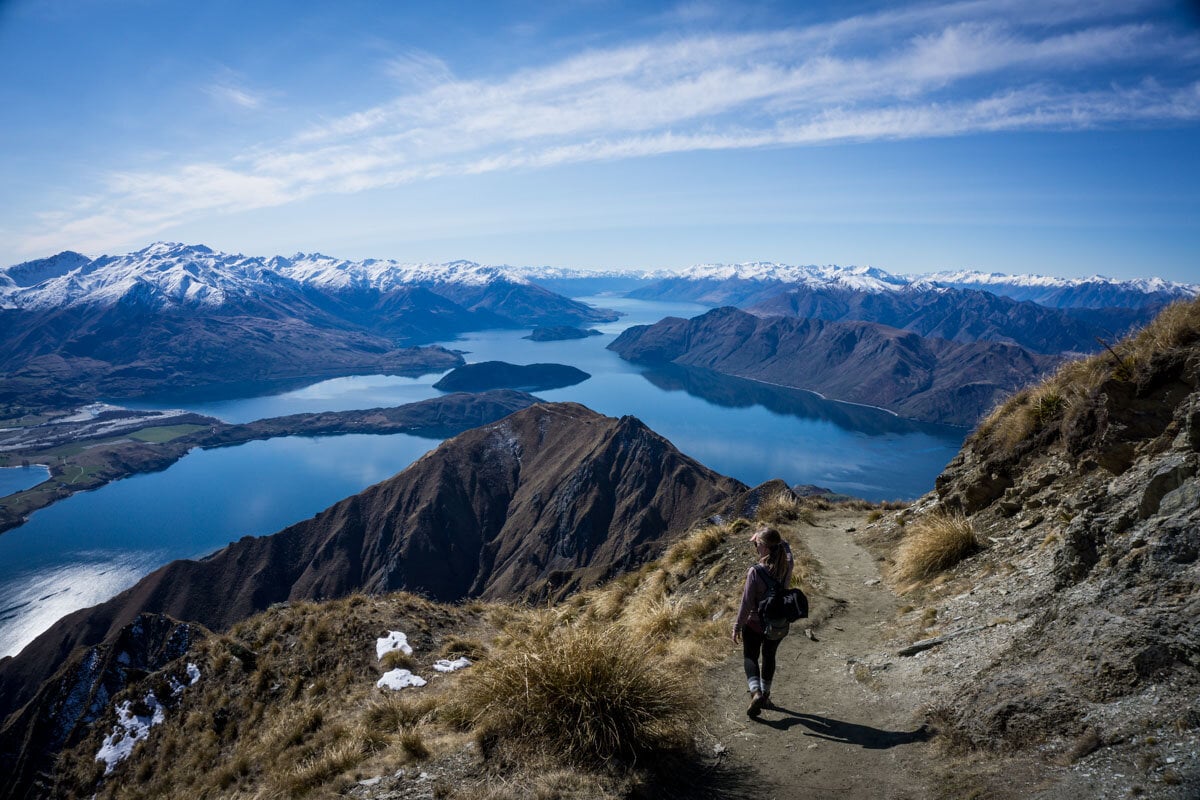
[174, 316]
[548, 500]
[932, 380]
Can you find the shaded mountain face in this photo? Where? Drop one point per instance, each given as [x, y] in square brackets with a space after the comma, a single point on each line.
[932, 380]
[80, 692]
[77, 354]
[961, 315]
[548, 500]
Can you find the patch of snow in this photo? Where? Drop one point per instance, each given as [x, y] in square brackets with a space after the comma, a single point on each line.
[399, 679]
[395, 640]
[446, 665]
[130, 729]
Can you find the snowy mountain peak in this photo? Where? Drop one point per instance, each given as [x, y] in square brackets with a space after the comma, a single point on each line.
[1096, 291]
[175, 274]
[863, 278]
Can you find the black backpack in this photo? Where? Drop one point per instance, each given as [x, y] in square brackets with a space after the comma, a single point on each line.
[781, 607]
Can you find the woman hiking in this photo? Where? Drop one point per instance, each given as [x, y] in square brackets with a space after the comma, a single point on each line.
[775, 557]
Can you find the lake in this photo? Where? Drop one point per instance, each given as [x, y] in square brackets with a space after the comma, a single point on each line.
[82, 550]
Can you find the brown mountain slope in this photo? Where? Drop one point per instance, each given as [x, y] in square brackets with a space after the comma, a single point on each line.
[862, 362]
[549, 499]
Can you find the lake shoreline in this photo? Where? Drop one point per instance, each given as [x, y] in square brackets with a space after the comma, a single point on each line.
[115, 452]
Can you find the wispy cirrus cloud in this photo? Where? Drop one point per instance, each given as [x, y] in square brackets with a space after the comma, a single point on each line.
[931, 71]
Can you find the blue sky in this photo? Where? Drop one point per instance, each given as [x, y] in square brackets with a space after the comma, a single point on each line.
[1010, 135]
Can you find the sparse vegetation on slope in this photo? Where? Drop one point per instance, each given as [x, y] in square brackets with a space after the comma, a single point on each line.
[932, 544]
[1058, 404]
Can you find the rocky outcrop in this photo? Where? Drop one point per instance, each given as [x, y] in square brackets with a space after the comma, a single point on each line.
[550, 499]
[79, 693]
[1088, 593]
[932, 380]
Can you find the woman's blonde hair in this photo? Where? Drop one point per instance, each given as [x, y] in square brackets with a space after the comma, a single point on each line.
[776, 559]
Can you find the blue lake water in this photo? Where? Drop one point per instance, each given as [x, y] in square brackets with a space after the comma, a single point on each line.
[18, 479]
[84, 549]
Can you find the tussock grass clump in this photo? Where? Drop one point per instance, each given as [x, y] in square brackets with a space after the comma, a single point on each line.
[456, 646]
[780, 507]
[391, 713]
[584, 695]
[1062, 399]
[932, 544]
[397, 659]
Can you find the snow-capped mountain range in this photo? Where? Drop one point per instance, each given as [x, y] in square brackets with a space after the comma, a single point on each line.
[194, 275]
[171, 274]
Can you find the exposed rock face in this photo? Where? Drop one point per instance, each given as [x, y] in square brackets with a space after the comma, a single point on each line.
[1093, 571]
[550, 499]
[927, 379]
[485, 375]
[79, 693]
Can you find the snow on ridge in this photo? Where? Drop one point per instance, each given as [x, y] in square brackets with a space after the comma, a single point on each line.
[973, 278]
[132, 727]
[861, 278]
[174, 274]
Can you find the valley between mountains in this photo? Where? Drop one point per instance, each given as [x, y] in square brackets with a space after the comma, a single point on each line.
[540, 606]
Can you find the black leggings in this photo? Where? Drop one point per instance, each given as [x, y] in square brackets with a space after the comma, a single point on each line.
[752, 642]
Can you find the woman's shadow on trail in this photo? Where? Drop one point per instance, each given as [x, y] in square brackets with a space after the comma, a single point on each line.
[835, 730]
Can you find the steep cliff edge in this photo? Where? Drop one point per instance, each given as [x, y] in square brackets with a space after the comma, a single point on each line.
[1076, 628]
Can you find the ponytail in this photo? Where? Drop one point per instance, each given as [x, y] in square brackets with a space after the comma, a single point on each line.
[776, 559]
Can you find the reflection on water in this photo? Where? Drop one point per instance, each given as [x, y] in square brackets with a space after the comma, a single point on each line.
[80, 551]
[731, 392]
[32, 601]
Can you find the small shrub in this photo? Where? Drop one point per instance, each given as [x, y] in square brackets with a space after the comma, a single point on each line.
[934, 543]
[779, 507]
[588, 696]
[397, 659]
[413, 744]
[874, 515]
[456, 646]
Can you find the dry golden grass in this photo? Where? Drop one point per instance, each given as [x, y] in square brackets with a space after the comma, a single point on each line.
[587, 696]
[396, 659]
[1061, 399]
[779, 508]
[287, 705]
[932, 544]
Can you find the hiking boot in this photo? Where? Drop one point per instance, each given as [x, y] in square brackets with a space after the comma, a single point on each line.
[756, 704]
[766, 701]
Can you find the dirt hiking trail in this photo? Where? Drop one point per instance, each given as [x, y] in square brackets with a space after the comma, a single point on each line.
[830, 735]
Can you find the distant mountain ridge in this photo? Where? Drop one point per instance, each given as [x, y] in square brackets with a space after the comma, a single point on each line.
[173, 316]
[961, 315]
[1094, 292]
[921, 378]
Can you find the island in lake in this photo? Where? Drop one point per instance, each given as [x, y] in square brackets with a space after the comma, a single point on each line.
[487, 375]
[560, 333]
